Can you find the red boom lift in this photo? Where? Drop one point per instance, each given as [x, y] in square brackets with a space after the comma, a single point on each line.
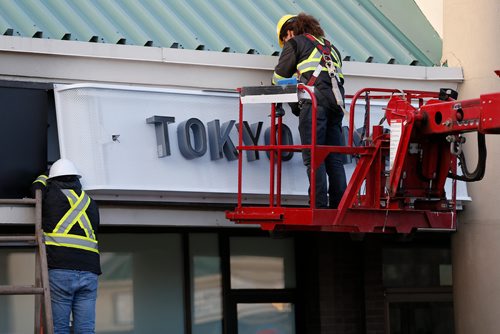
[398, 184]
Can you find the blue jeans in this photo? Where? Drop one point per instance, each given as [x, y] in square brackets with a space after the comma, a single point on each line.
[74, 292]
[328, 132]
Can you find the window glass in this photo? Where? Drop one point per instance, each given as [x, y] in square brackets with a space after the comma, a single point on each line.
[417, 267]
[17, 267]
[115, 302]
[141, 288]
[261, 263]
[270, 318]
[206, 284]
[421, 317]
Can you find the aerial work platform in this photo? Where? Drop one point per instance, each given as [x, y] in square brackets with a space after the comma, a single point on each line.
[398, 184]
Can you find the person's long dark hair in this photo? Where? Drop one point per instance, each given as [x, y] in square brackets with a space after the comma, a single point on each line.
[303, 24]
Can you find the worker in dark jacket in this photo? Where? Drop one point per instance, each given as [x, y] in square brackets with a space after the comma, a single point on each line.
[303, 43]
[70, 221]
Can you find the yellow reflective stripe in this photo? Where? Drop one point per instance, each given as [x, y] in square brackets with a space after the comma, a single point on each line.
[60, 236]
[79, 221]
[307, 64]
[88, 222]
[41, 179]
[312, 62]
[74, 236]
[324, 69]
[85, 225]
[75, 210]
[79, 213]
[82, 227]
[79, 241]
[77, 217]
[276, 77]
[73, 246]
[72, 200]
[332, 51]
[316, 55]
[308, 69]
[84, 221]
[314, 59]
[68, 213]
[335, 57]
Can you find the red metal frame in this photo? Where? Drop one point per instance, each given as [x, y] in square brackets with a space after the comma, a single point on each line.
[410, 196]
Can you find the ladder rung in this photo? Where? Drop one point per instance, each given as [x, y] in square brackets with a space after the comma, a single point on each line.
[20, 290]
[18, 240]
[15, 201]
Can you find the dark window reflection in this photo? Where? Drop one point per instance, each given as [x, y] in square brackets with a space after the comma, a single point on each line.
[421, 318]
[416, 267]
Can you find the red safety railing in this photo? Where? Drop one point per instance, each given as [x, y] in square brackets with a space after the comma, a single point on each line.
[357, 212]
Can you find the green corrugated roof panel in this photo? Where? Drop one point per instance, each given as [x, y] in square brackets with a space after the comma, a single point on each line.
[381, 31]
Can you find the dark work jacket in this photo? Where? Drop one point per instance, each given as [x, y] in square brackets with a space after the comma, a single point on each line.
[54, 207]
[295, 51]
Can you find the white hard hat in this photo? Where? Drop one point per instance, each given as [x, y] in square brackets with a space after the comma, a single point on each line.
[63, 167]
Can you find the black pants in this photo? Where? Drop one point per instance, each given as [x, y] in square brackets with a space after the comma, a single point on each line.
[328, 132]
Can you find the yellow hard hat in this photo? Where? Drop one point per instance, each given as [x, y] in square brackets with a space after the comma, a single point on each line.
[284, 19]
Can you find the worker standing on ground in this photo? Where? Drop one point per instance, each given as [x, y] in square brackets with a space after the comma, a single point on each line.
[303, 43]
[70, 221]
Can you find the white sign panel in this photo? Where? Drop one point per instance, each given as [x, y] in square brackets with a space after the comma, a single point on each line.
[172, 144]
[113, 134]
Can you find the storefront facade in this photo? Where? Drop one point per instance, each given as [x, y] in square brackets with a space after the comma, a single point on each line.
[152, 131]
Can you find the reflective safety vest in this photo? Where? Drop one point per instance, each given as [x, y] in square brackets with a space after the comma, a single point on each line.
[60, 236]
[321, 57]
[311, 63]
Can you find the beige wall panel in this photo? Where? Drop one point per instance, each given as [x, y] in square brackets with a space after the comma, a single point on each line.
[471, 35]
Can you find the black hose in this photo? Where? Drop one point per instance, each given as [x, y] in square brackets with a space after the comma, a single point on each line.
[478, 173]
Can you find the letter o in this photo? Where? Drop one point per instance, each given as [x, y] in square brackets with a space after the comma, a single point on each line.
[286, 139]
[192, 138]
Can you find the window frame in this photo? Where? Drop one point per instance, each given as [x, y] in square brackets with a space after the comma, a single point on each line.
[232, 297]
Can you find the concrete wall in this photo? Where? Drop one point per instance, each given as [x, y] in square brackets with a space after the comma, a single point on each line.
[471, 30]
